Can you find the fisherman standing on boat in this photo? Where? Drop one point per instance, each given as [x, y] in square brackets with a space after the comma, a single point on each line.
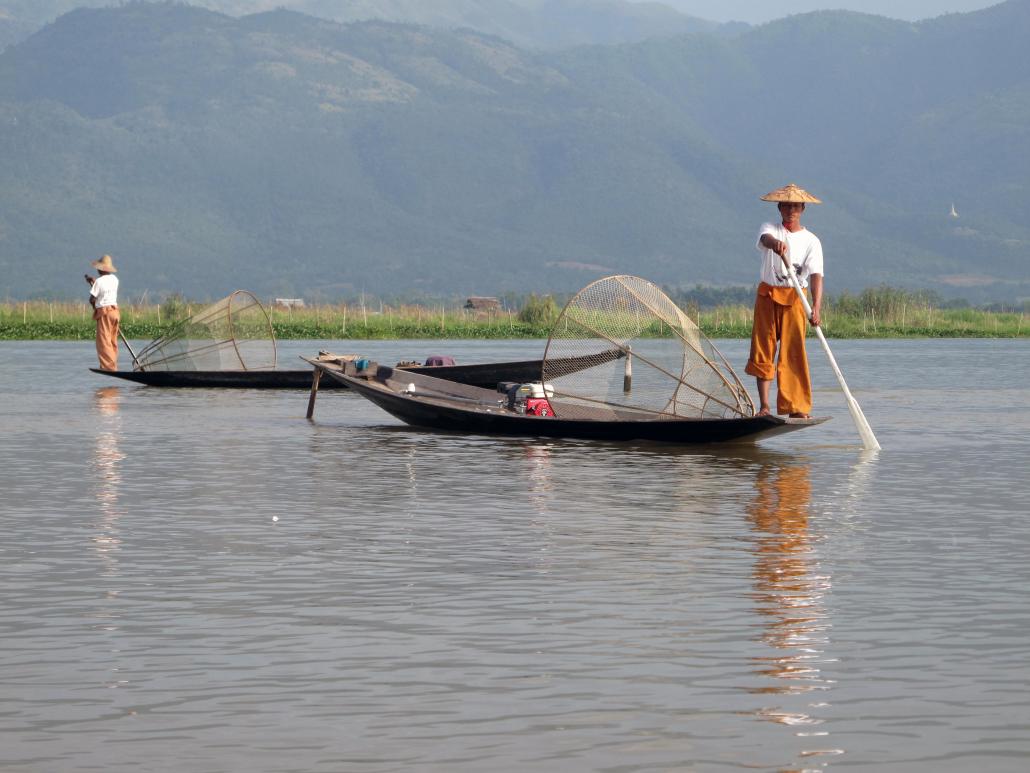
[103, 296]
[779, 313]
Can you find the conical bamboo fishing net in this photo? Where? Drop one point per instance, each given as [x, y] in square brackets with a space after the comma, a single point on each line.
[670, 369]
[233, 334]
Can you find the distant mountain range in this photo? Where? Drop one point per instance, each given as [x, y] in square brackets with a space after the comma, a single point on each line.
[292, 155]
[527, 23]
[762, 11]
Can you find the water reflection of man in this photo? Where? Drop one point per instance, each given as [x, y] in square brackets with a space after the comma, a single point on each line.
[789, 590]
[785, 586]
[107, 478]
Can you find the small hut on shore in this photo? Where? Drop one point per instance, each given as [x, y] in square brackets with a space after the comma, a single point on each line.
[483, 304]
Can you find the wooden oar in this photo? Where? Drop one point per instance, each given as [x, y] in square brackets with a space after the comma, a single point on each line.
[869, 441]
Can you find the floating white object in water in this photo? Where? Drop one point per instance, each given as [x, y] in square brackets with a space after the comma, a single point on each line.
[275, 517]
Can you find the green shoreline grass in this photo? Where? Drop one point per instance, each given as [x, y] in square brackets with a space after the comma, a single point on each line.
[46, 321]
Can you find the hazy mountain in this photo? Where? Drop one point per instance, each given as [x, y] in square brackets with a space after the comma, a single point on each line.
[292, 155]
[761, 11]
[530, 23]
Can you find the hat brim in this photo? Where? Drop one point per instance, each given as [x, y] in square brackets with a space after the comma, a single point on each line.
[791, 194]
[792, 199]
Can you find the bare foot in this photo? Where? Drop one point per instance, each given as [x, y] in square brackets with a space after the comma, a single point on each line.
[764, 412]
[800, 416]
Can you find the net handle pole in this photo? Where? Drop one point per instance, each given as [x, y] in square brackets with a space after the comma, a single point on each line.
[611, 404]
[627, 376]
[178, 355]
[135, 359]
[865, 432]
[232, 331]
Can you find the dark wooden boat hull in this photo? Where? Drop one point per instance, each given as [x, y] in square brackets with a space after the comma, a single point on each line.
[486, 375]
[219, 379]
[447, 413]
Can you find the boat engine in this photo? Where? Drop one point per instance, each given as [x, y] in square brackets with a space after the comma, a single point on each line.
[528, 399]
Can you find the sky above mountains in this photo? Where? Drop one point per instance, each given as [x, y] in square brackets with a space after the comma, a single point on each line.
[759, 11]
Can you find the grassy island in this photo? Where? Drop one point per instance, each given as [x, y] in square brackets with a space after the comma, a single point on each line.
[879, 313]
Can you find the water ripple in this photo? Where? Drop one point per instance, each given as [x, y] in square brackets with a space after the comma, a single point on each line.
[205, 581]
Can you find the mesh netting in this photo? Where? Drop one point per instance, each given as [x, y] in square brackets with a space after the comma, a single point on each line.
[233, 334]
[669, 368]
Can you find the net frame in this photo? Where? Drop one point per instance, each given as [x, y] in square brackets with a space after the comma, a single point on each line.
[615, 311]
[225, 333]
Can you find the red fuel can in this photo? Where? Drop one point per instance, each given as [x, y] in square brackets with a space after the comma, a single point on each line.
[538, 406]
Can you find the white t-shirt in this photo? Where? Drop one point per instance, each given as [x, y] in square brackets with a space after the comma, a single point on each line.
[105, 290]
[804, 250]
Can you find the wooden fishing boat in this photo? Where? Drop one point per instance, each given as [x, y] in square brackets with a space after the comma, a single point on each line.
[231, 345]
[642, 370]
[424, 401]
[486, 374]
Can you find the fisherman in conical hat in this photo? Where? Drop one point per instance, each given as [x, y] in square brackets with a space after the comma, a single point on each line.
[779, 314]
[103, 296]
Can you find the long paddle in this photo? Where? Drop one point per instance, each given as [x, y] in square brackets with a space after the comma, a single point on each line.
[864, 430]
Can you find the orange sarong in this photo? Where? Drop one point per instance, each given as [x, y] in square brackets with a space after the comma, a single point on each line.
[780, 318]
[108, 319]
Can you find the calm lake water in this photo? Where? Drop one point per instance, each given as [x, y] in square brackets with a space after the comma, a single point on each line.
[202, 580]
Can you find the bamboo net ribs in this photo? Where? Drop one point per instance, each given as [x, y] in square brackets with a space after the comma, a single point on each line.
[669, 369]
[233, 334]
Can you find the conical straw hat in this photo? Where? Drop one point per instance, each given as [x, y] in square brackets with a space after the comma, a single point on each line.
[791, 193]
[104, 264]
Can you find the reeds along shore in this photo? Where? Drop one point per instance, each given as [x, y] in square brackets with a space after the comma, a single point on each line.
[44, 320]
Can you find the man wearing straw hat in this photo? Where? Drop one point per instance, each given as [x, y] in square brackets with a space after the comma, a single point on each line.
[779, 312]
[103, 296]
